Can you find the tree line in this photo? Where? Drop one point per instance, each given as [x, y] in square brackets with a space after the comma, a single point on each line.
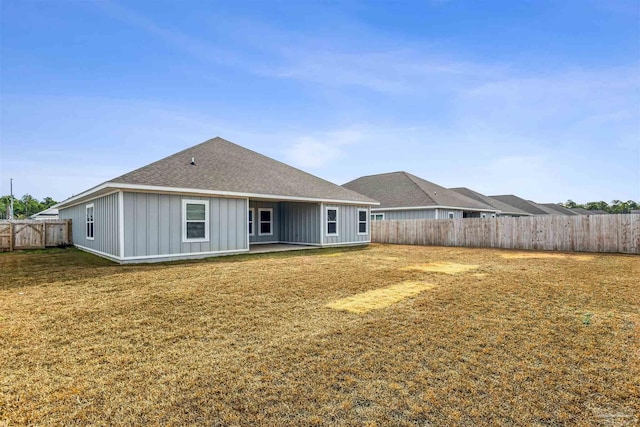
[616, 206]
[25, 206]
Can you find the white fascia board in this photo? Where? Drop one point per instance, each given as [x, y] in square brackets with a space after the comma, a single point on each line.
[413, 208]
[195, 191]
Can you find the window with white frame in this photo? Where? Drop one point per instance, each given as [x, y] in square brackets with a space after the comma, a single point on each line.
[90, 221]
[332, 221]
[251, 216]
[451, 215]
[377, 217]
[363, 224]
[265, 222]
[195, 221]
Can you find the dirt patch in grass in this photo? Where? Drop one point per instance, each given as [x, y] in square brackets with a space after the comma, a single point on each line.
[248, 340]
[546, 255]
[442, 267]
[379, 298]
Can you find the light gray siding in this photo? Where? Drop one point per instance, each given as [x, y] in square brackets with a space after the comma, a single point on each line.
[347, 225]
[153, 225]
[105, 224]
[275, 237]
[421, 214]
[300, 222]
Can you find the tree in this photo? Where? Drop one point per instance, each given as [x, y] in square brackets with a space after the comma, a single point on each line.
[25, 206]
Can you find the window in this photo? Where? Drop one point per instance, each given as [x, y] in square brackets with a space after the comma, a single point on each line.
[362, 221]
[451, 215]
[377, 217]
[332, 221]
[195, 221]
[251, 213]
[90, 222]
[265, 222]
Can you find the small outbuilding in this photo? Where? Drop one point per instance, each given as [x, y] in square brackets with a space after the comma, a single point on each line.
[212, 199]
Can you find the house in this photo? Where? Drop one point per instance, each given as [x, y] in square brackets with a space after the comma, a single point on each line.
[555, 209]
[51, 213]
[521, 204]
[212, 199]
[406, 196]
[583, 211]
[503, 208]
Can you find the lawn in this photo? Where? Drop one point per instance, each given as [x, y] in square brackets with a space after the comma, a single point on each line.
[384, 335]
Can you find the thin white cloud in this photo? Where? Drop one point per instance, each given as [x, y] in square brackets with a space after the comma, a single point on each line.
[319, 151]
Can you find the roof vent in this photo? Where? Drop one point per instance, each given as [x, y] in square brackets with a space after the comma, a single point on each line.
[193, 161]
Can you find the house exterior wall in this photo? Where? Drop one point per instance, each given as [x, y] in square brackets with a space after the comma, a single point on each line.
[421, 214]
[153, 225]
[300, 222]
[347, 225]
[275, 229]
[105, 225]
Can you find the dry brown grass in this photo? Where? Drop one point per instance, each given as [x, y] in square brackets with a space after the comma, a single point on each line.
[379, 298]
[248, 340]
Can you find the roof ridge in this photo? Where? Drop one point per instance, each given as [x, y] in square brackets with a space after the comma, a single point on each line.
[411, 178]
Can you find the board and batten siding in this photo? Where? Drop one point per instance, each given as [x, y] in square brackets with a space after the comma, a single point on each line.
[105, 215]
[275, 220]
[347, 225]
[153, 225]
[300, 222]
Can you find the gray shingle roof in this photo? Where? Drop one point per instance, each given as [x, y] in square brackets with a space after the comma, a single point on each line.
[402, 189]
[520, 203]
[583, 211]
[221, 165]
[555, 209]
[502, 207]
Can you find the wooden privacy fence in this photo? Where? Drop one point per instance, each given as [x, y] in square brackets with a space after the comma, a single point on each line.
[30, 234]
[584, 233]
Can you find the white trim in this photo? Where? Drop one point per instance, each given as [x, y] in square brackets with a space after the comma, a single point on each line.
[252, 229]
[97, 252]
[197, 191]
[326, 222]
[301, 243]
[413, 208]
[177, 256]
[92, 222]
[121, 221]
[321, 224]
[83, 201]
[270, 222]
[367, 219]
[363, 242]
[376, 214]
[248, 236]
[183, 220]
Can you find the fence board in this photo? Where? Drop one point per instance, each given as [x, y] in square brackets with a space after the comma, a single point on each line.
[30, 234]
[585, 233]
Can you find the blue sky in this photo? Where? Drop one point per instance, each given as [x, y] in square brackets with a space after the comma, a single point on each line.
[535, 98]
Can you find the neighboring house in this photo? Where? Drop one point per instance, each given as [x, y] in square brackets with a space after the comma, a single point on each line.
[212, 199]
[521, 204]
[405, 196]
[51, 213]
[635, 211]
[583, 211]
[555, 209]
[503, 208]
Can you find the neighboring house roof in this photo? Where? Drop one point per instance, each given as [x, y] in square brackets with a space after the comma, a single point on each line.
[47, 213]
[502, 207]
[520, 203]
[555, 209]
[223, 168]
[402, 189]
[583, 211]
